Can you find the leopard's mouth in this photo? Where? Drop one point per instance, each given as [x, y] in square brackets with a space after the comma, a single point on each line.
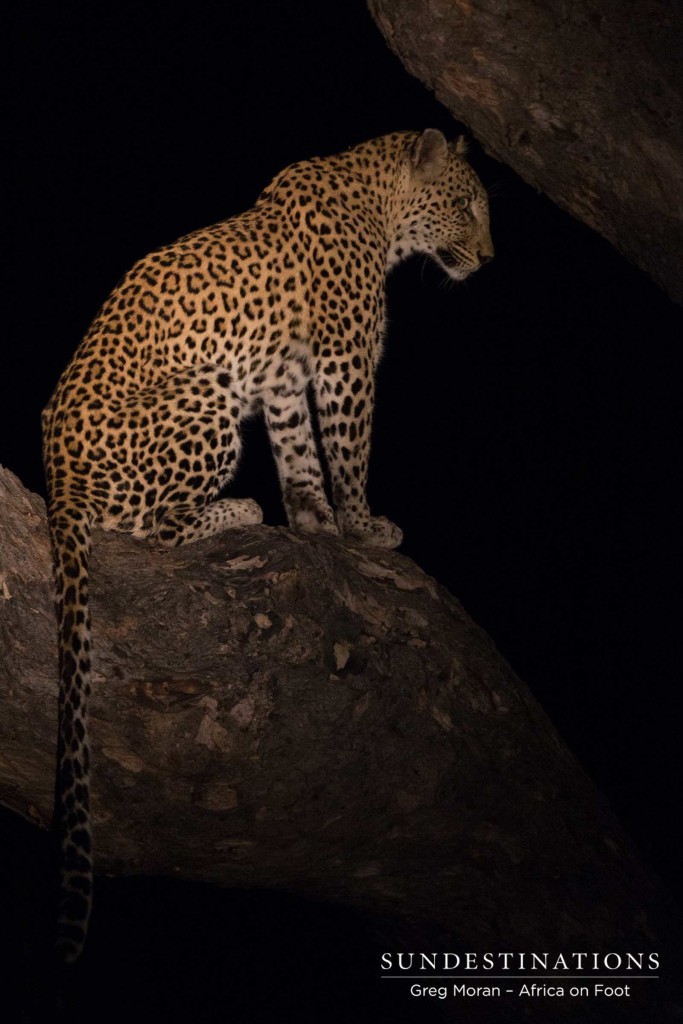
[455, 268]
[448, 259]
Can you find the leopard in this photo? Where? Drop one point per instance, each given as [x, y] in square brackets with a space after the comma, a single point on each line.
[278, 311]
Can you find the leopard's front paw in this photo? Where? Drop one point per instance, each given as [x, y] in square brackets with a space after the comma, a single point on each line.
[306, 521]
[312, 517]
[377, 531]
[384, 533]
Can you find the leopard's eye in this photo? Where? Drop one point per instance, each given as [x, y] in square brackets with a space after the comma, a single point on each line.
[463, 202]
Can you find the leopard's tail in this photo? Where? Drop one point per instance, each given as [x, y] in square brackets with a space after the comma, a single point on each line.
[70, 530]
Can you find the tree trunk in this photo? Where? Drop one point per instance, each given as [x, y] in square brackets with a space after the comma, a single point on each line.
[316, 716]
[583, 99]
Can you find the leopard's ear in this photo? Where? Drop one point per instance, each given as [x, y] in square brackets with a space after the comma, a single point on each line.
[460, 146]
[430, 154]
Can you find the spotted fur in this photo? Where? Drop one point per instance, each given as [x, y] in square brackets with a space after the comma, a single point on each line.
[143, 430]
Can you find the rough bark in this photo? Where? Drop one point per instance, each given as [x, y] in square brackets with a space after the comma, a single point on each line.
[583, 99]
[304, 713]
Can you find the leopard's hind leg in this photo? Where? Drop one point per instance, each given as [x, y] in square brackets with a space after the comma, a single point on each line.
[187, 445]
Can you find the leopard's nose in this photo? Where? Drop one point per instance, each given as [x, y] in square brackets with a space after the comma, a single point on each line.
[485, 257]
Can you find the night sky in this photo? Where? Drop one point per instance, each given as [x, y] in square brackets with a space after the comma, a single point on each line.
[525, 438]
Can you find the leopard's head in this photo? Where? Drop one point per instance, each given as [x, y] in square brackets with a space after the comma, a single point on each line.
[443, 207]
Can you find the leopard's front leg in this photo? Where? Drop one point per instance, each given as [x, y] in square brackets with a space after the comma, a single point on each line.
[301, 479]
[345, 390]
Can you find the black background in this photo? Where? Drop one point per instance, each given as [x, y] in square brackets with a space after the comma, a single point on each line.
[525, 439]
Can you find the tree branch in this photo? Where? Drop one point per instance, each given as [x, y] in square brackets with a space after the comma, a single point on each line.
[312, 715]
[583, 100]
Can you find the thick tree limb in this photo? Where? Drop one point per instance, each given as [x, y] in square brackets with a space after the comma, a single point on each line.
[584, 100]
[304, 713]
